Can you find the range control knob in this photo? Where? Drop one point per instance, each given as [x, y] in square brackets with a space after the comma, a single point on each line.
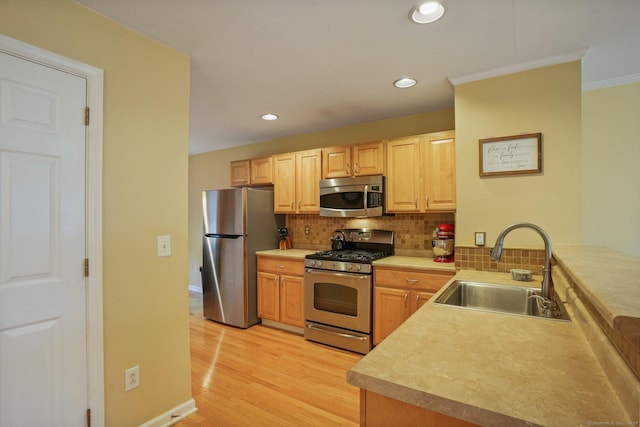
[349, 266]
[358, 267]
[312, 263]
[318, 263]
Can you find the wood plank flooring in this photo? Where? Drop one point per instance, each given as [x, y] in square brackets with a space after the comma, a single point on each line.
[266, 377]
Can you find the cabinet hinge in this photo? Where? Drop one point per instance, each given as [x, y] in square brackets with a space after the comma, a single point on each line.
[86, 116]
[88, 417]
[86, 267]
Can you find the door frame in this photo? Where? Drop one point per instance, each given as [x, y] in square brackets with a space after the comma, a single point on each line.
[93, 168]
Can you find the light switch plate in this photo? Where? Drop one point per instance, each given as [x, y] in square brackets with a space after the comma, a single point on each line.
[480, 238]
[164, 245]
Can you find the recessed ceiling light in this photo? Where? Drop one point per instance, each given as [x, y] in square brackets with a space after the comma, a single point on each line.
[427, 12]
[269, 116]
[405, 82]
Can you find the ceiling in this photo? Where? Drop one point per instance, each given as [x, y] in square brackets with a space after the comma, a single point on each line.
[322, 64]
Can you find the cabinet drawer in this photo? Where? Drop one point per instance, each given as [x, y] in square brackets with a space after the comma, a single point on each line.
[417, 279]
[281, 266]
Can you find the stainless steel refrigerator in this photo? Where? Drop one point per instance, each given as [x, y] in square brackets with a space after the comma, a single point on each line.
[237, 223]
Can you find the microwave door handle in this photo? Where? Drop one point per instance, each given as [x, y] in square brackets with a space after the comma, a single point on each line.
[366, 199]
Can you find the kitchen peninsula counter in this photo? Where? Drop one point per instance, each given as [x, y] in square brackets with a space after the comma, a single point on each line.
[492, 369]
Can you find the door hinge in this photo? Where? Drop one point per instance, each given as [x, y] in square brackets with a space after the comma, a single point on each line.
[86, 116]
[88, 417]
[86, 267]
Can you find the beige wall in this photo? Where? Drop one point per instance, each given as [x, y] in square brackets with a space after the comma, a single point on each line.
[211, 170]
[546, 100]
[611, 162]
[146, 107]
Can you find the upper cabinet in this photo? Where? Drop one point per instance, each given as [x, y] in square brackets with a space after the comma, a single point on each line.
[421, 175]
[355, 160]
[296, 179]
[251, 172]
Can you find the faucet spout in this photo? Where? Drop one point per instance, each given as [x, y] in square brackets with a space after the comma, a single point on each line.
[496, 254]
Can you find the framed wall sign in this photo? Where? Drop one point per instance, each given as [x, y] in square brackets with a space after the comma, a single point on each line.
[511, 155]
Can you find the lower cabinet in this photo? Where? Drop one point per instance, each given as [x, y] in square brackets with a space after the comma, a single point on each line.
[378, 410]
[281, 290]
[398, 293]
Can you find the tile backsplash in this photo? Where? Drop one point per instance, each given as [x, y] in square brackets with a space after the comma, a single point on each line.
[413, 232]
[477, 258]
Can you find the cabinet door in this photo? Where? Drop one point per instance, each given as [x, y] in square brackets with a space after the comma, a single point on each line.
[261, 171]
[403, 174]
[239, 173]
[391, 307]
[284, 183]
[440, 171]
[336, 162]
[419, 298]
[368, 159]
[308, 174]
[268, 296]
[292, 300]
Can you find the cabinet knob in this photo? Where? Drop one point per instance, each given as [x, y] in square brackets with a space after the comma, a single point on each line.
[411, 281]
[347, 169]
[416, 202]
[426, 200]
[406, 298]
[356, 168]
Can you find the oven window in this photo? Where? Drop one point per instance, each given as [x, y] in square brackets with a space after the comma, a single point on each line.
[335, 298]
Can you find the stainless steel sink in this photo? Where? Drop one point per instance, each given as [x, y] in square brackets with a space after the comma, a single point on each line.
[516, 300]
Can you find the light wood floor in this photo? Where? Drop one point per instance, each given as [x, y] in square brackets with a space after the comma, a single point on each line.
[266, 377]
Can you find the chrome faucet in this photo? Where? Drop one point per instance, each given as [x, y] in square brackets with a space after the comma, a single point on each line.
[550, 306]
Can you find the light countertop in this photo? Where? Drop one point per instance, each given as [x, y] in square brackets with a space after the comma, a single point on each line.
[614, 291]
[422, 263]
[288, 253]
[491, 368]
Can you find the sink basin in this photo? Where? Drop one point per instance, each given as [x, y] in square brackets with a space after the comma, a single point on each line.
[496, 298]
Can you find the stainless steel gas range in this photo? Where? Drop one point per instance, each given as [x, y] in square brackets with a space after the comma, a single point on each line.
[338, 288]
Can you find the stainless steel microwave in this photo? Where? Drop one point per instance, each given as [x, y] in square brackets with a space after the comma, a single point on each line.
[352, 197]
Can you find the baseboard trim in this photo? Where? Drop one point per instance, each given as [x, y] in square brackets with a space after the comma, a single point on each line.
[172, 416]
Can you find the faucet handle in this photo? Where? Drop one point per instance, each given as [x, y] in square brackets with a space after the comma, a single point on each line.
[549, 306]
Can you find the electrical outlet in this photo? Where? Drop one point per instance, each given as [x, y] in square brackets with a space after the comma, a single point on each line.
[307, 229]
[131, 378]
[164, 245]
[480, 238]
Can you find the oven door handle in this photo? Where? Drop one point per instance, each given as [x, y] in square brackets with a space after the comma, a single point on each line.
[340, 334]
[334, 274]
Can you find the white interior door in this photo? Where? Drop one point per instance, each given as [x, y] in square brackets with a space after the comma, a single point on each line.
[43, 343]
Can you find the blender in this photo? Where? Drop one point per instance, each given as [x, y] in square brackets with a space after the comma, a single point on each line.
[443, 243]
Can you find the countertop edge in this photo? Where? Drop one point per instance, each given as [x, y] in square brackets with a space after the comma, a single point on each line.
[435, 403]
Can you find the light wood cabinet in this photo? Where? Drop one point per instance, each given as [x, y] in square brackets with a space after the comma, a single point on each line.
[240, 173]
[421, 173]
[281, 290]
[251, 172]
[353, 160]
[400, 292]
[295, 180]
[377, 410]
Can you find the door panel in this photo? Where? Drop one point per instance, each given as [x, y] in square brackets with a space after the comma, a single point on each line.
[224, 281]
[43, 351]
